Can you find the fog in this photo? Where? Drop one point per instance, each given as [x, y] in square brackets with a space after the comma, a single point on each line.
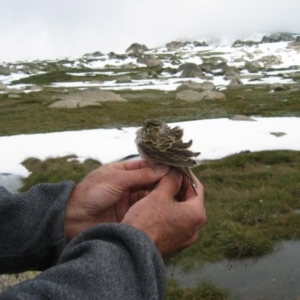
[35, 29]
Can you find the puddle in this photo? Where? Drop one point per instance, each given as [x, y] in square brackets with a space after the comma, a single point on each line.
[274, 277]
[11, 182]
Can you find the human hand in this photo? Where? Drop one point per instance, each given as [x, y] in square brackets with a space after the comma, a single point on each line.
[106, 194]
[172, 225]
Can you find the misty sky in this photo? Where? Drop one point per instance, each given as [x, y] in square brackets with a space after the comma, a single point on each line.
[40, 29]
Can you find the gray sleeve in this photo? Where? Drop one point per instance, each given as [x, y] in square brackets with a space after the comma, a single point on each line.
[108, 261]
[31, 227]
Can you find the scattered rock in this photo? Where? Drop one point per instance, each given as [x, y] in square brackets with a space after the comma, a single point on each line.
[90, 95]
[15, 91]
[143, 75]
[235, 82]
[14, 96]
[195, 86]
[36, 88]
[73, 104]
[189, 95]
[190, 70]
[2, 86]
[240, 43]
[5, 70]
[175, 45]
[278, 37]
[278, 134]
[277, 87]
[136, 48]
[123, 79]
[149, 61]
[212, 95]
[241, 118]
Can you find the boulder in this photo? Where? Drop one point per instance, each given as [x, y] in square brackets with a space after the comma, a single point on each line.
[175, 45]
[277, 87]
[188, 95]
[73, 104]
[136, 48]
[195, 86]
[149, 62]
[15, 91]
[35, 88]
[5, 70]
[212, 95]
[235, 82]
[190, 70]
[92, 94]
[143, 75]
[278, 37]
[2, 86]
[278, 134]
[123, 79]
[240, 43]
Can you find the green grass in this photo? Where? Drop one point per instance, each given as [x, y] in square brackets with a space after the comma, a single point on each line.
[204, 291]
[54, 170]
[30, 114]
[251, 201]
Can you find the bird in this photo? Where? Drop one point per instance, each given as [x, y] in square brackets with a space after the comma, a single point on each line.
[158, 143]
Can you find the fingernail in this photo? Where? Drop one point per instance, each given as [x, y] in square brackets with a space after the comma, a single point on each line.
[161, 168]
[175, 173]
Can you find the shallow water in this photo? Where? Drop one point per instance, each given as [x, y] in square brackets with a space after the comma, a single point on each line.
[11, 182]
[274, 277]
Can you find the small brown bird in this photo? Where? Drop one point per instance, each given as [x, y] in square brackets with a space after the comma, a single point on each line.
[158, 143]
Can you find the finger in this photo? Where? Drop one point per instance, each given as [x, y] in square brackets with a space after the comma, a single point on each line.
[169, 185]
[137, 196]
[141, 177]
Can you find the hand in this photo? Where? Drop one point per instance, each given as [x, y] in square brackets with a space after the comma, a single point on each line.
[172, 225]
[106, 194]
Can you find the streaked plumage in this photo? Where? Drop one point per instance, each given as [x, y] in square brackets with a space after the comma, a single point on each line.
[158, 143]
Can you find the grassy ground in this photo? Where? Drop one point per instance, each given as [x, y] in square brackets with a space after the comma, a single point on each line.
[252, 199]
[30, 114]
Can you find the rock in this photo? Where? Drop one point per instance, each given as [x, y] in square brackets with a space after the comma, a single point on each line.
[208, 86]
[235, 82]
[15, 91]
[277, 87]
[175, 45]
[136, 48]
[35, 88]
[295, 74]
[240, 43]
[149, 61]
[278, 37]
[253, 66]
[5, 70]
[143, 75]
[212, 95]
[190, 70]
[278, 134]
[92, 94]
[123, 79]
[2, 86]
[206, 67]
[200, 44]
[188, 95]
[270, 60]
[241, 118]
[195, 86]
[14, 96]
[73, 104]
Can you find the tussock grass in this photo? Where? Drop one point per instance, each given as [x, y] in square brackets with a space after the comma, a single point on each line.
[54, 170]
